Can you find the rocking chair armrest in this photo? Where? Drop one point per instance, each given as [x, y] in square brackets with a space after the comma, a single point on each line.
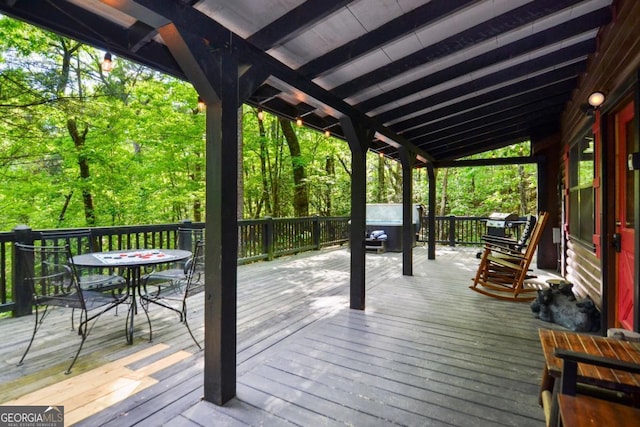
[504, 250]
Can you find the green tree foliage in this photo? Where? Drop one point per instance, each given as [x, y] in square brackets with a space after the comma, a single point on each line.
[481, 190]
[80, 147]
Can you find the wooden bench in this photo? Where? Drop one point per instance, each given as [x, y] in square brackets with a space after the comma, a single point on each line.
[583, 410]
[579, 411]
[568, 389]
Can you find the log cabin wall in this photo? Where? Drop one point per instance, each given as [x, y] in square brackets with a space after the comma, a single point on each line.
[610, 69]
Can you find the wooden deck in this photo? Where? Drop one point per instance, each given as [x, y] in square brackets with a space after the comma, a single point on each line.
[426, 351]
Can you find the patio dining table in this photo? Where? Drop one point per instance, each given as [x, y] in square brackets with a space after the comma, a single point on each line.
[133, 260]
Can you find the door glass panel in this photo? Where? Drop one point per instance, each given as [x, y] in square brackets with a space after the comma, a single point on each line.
[630, 202]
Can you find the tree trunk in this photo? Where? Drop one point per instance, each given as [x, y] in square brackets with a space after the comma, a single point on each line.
[264, 171]
[443, 193]
[443, 201]
[300, 190]
[79, 141]
[395, 180]
[63, 212]
[380, 190]
[330, 168]
[522, 186]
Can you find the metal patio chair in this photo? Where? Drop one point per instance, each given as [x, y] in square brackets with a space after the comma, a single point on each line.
[172, 290]
[79, 242]
[52, 279]
[187, 239]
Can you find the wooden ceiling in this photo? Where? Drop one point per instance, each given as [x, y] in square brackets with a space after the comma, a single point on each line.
[446, 78]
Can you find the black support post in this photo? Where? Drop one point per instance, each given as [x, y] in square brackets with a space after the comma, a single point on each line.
[22, 296]
[407, 159]
[359, 139]
[222, 236]
[222, 239]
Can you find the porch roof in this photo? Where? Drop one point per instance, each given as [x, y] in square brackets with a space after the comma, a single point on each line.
[446, 78]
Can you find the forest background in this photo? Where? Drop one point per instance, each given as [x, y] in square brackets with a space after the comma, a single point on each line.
[82, 147]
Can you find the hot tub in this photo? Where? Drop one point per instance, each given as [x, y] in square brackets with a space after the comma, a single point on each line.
[388, 217]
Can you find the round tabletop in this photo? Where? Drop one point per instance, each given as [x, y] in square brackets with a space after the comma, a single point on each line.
[130, 257]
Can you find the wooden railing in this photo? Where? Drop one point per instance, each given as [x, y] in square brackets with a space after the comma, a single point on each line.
[261, 239]
[462, 230]
[258, 239]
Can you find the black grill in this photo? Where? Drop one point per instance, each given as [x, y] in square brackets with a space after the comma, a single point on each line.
[499, 223]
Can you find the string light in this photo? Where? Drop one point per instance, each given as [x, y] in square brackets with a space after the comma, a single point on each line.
[327, 133]
[260, 115]
[299, 121]
[107, 63]
[201, 105]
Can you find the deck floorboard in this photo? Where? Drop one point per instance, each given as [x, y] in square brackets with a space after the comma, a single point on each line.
[426, 351]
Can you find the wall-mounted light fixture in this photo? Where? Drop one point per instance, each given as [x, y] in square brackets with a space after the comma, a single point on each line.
[596, 99]
[107, 63]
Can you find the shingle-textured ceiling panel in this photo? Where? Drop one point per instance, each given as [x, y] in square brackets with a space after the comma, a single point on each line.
[246, 17]
[415, 41]
[446, 78]
[335, 31]
[493, 68]
[371, 14]
[465, 19]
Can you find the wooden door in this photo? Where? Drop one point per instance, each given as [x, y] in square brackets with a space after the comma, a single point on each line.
[624, 238]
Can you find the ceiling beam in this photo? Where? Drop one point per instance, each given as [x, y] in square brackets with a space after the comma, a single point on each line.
[294, 22]
[488, 114]
[220, 37]
[489, 29]
[386, 33]
[537, 83]
[486, 102]
[500, 161]
[477, 127]
[516, 88]
[508, 52]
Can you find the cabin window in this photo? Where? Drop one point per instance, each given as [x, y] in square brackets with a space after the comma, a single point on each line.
[581, 191]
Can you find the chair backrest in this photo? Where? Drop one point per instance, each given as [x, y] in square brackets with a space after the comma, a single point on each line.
[526, 233]
[536, 234]
[50, 274]
[195, 273]
[188, 238]
[80, 241]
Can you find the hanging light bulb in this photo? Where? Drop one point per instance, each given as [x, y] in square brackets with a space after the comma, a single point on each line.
[201, 105]
[107, 63]
[299, 121]
[327, 133]
[260, 115]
